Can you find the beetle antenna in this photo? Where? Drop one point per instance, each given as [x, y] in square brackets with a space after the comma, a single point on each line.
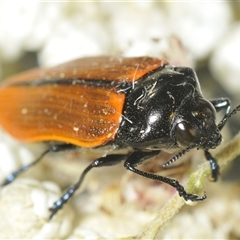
[178, 155]
[225, 119]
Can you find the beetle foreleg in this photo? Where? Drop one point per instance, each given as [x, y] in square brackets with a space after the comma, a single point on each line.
[108, 160]
[220, 104]
[137, 158]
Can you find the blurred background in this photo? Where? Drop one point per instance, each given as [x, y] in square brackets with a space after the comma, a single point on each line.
[204, 35]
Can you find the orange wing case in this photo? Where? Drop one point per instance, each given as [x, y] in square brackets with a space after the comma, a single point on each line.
[69, 103]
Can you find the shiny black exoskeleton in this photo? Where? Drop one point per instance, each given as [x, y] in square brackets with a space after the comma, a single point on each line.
[164, 111]
[168, 111]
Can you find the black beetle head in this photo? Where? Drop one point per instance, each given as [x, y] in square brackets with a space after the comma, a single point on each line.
[195, 124]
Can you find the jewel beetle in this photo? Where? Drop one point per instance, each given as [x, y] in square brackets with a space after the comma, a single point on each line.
[140, 104]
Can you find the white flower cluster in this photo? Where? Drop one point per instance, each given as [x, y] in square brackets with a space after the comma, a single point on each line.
[61, 31]
[66, 30]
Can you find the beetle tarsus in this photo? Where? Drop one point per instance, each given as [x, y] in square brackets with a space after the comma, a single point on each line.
[60, 202]
[184, 194]
[192, 197]
[213, 165]
[9, 179]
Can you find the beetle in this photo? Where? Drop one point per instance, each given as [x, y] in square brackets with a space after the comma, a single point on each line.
[141, 104]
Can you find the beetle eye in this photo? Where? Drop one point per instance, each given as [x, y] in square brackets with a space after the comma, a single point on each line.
[185, 134]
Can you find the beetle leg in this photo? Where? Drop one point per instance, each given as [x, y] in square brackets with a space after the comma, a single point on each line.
[220, 104]
[108, 160]
[138, 157]
[55, 148]
[213, 165]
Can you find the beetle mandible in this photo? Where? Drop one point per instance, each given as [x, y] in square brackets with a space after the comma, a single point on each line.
[142, 104]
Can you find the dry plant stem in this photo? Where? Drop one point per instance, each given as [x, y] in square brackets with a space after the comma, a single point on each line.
[163, 216]
[195, 184]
